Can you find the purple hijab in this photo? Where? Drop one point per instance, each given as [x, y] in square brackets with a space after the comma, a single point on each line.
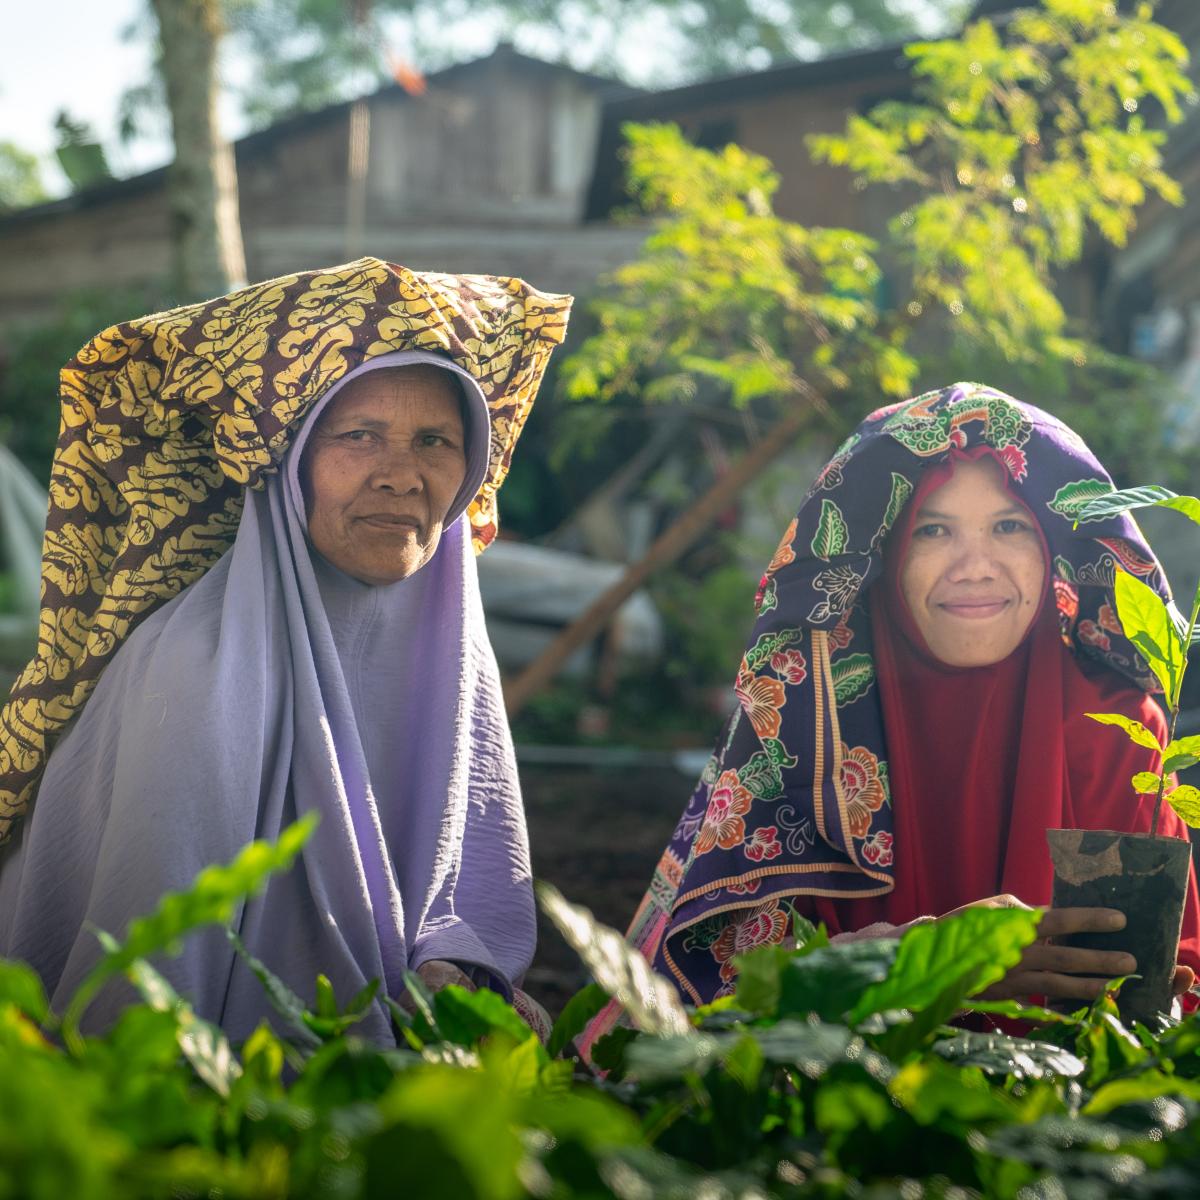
[275, 686]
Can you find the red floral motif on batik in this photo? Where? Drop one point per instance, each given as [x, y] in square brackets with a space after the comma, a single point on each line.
[765, 926]
[723, 825]
[790, 664]
[784, 553]
[1092, 635]
[1066, 598]
[958, 437]
[1107, 619]
[862, 787]
[749, 888]
[761, 698]
[1013, 457]
[841, 635]
[763, 844]
[877, 849]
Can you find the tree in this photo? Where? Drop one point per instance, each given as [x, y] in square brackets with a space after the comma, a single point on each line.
[202, 181]
[20, 178]
[308, 53]
[1018, 144]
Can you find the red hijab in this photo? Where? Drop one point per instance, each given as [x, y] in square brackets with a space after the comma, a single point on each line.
[984, 760]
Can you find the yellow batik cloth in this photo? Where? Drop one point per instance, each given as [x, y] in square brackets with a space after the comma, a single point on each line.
[167, 419]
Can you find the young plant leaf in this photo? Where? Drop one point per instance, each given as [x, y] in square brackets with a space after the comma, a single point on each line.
[574, 1018]
[1181, 753]
[21, 987]
[1137, 731]
[1115, 503]
[281, 997]
[1147, 624]
[1185, 800]
[999, 1054]
[1145, 783]
[650, 1000]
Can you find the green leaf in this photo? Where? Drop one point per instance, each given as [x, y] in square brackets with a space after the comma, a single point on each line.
[326, 1000]
[202, 1043]
[814, 1047]
[833, 535]
[574, 1018]
[1135, 729]
[999, 1054]
[281, 997]
[1146, 783]
[466, 1018]
[852, 677]
[1147, 623]
[21, 987]
[829, 982]
[1149, 1085]
[932, 1092]
[650, 1000]
[1116, 503]
[1185, 800]
[759, 978]
[1181, 753]
[940, 964]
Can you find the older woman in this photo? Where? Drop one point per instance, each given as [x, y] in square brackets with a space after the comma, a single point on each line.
[930, 633]
[333, 660]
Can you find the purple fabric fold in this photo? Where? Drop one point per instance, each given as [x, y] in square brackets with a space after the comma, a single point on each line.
[272, 687]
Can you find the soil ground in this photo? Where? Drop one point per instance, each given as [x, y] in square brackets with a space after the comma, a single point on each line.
[595, 834]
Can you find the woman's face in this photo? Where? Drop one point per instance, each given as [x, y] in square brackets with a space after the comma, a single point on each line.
[381, 469]
[975, 572]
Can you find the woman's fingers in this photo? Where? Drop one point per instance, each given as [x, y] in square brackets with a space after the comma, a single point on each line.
[1070, 960]
[1058, 922]
[1183, 980]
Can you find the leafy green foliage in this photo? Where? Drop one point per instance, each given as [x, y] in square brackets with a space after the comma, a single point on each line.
[831, 1074]
[1154, 629]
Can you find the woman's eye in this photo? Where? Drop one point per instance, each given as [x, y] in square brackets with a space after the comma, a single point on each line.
[930, 530]
[355, 435]
[1011, 525]
[434, 439]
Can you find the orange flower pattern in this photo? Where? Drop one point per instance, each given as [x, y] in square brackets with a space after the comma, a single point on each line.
[723, 825]
[761, 699]
[765, 926]
[864, 787]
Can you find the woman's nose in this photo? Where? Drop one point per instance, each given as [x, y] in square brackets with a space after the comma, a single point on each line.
[973, 560]
[398, 472]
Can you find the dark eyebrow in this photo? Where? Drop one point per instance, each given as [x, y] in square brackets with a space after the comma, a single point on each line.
[932, 514]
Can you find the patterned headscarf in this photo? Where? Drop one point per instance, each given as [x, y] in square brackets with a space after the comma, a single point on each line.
[796, 799]
[167, 419]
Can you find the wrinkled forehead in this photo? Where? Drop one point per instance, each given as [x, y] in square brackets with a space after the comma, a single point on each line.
[419, 387]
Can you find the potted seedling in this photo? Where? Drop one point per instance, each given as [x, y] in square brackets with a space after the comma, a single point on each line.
[1143, 875]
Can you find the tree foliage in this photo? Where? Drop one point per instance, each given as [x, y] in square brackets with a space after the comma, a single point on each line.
[1017, 144]
[20, 178]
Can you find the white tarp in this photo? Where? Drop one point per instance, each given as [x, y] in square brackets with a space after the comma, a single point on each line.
[22, 523]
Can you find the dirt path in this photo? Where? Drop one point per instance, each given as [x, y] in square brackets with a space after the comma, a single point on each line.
[596, 834]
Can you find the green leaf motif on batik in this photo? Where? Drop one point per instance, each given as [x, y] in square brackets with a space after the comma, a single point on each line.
[769, 644]
[769, 601]
[902, 489]
[1063, 570]
[777, 752]
[1005, 424]
[852, 677]
[833, 535]
[922, 438]
[1072, 498]
[843, 451]
[761, 777]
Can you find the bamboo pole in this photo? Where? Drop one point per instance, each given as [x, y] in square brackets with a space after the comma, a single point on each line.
[669, 545]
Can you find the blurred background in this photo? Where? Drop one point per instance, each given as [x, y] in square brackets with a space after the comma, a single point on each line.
[746, 291]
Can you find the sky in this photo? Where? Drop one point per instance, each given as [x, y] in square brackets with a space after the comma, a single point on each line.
[56, 54]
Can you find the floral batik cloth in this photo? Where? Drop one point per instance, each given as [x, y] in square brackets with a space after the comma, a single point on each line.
[796, 800]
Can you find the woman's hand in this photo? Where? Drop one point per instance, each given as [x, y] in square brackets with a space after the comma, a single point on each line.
[435, 975]
[1063, 972]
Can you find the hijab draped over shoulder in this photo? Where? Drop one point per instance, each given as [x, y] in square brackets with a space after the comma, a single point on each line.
[225, 680]
[856, 782]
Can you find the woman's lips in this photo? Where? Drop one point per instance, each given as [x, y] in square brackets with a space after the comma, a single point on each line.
[391, 522]
[974, 610]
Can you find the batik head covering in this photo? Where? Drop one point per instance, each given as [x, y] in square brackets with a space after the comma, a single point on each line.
[168, 420]
[796, 798]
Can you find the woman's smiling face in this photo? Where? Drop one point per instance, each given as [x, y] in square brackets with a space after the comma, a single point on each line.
[975, 572]
[381, 469]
